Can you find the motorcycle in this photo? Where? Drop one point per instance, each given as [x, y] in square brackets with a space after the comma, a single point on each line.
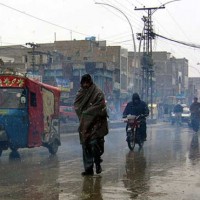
[178, 120]
[134, 135]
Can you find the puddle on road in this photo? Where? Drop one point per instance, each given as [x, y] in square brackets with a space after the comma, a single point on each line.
[167, 168]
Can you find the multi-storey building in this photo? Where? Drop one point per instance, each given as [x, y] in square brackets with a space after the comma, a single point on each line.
[62, 63]
[194, 88]
[171, 77]
[12, 56]
[107, 65]
[115, 70]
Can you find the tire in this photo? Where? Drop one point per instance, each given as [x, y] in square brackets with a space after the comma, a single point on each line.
[139, 139]
[53, 147]
[1, 152]
[13, 148]
[14, 154]
[131, 140]
[140, 143]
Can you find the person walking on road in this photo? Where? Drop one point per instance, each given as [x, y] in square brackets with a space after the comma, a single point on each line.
[90, 107]
[195, 114]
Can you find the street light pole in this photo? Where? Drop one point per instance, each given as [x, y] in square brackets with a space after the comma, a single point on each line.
[33, 55]
[148, 36]
[133, 38]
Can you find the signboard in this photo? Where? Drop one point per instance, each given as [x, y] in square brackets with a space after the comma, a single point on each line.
[63, 84]
[11, 81]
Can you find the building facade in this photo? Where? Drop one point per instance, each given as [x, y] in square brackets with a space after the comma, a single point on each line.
[116, 71]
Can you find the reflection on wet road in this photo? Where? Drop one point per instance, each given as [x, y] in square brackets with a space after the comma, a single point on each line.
[29, 178]
[166, 168]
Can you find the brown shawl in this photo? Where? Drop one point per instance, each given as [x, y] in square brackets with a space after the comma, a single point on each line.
[91, 110]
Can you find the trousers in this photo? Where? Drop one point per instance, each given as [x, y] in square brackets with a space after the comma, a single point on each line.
[92, 152]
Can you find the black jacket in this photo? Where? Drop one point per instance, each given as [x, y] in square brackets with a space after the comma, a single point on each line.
[136, 109]
[178, 108]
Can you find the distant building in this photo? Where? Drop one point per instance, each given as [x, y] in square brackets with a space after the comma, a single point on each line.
[171, 77]
[116, 71]
[12, 57]
[194, 88]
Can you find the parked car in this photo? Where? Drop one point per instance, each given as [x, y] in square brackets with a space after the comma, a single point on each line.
[185, 116]
[67, 113]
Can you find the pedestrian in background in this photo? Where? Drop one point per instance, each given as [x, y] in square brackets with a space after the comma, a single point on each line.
[90, 107]
[195, 114]
[178, 110]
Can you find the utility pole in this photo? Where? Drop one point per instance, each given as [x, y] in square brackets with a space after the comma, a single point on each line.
[147, 62]
[33, 54]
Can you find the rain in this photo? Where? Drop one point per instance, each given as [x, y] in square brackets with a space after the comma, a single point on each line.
[167, 167]
[148, 48]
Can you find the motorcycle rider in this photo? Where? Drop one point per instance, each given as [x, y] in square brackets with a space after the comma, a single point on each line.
[178, 110]
[138, 107]
[195, 114]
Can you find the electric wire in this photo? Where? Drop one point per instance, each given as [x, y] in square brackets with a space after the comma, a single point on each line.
[40, 19]
[190, 53]
[54, 24]
[136, 25]
[118, 4]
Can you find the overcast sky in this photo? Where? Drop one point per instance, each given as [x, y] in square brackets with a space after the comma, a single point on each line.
[42, 21]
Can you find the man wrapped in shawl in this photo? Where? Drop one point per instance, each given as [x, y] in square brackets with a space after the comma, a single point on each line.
[91, 110]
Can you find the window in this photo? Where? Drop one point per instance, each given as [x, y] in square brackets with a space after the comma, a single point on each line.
[11, 98]
[33, 99]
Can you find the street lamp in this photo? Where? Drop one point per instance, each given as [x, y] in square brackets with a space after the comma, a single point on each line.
[33, 46]
[106, 4]
[133, 38]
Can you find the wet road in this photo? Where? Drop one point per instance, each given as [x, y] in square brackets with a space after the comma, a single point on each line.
[167, 168]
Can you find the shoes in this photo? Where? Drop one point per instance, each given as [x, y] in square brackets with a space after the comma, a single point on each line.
[87, 173]
[90, 172]
[98, 168]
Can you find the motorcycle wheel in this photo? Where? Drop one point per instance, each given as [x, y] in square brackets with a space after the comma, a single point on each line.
[53, 147]
[13, 148]
[139, 139]
[131, 141]
[14, 154]
[141, 144]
